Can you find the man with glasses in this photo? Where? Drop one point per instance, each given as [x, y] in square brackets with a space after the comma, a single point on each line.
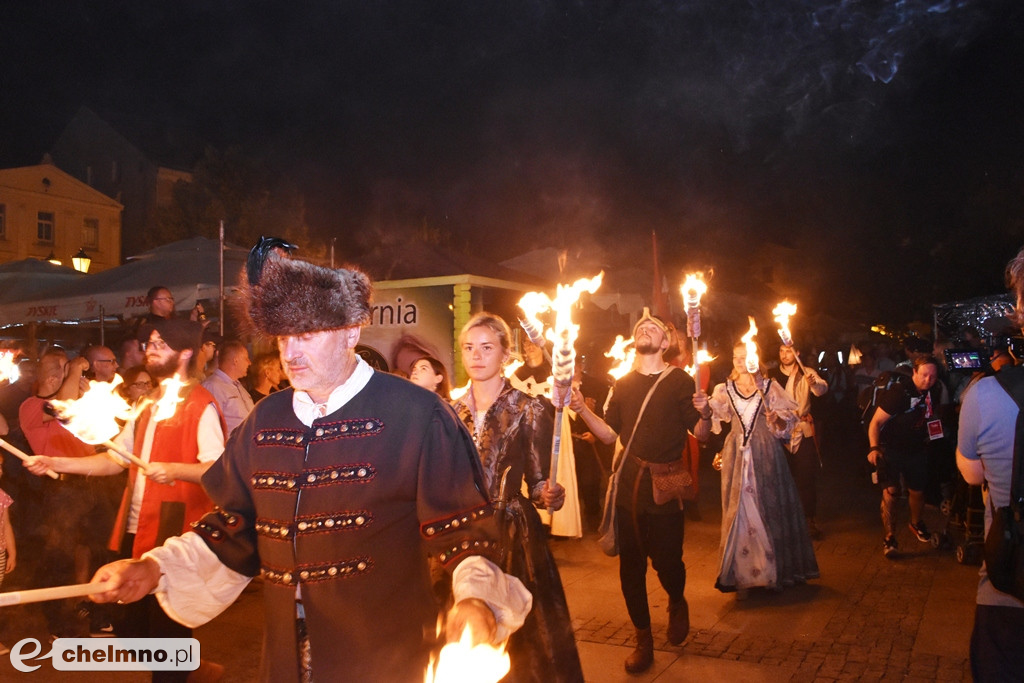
[167, 497]
[161, 304]
[102, 363]
[161, 307]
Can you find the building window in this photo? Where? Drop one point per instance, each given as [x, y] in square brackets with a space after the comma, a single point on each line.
[91, 233]
[44, 231]
[3, 221]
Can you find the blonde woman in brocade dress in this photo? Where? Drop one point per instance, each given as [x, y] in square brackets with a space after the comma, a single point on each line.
[765, 542]
[512, 429]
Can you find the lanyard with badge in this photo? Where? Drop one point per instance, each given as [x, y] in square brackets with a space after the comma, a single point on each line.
[934, 424]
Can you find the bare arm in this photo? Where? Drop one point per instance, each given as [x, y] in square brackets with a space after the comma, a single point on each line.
[702, 430]
[90, 465]
[875, 433]
[71, 388]
[210, 441]
[167, 472]
[972, 470]
[815, 384]
[597, 426]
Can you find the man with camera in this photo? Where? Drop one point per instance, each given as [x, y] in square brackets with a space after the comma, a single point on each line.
[984, 454]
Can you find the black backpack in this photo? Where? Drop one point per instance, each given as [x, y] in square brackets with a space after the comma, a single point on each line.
[867, 400]
[1004, 544]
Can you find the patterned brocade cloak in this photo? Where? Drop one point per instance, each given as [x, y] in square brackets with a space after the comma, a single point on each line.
[516, 432]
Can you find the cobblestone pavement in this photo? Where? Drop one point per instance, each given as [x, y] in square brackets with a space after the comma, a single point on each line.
[867, 618]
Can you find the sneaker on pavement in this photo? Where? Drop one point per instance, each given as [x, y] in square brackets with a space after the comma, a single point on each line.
[921, 532]
[890, 547]
[101, 631]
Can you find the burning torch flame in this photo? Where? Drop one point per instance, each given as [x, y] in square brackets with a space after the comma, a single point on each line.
[169, 399]
[623, 353]
[703, 357]
[564, 332]
[459, 392]
[511, 367]
[782, 313]
[463, 662]
[753, 362]
[8, 366]
[693, 289]
[93, 417]
[532, 305]
[855, 355]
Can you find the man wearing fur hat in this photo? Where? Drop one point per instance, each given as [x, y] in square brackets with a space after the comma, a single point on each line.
[334, 491]
[167, 497]
[650, 411]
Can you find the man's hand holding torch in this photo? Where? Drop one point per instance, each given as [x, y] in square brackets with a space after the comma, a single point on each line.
[129, 580]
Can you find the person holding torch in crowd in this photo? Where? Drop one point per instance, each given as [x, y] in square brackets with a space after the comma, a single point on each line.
[649, 412]
[165, 496]
[512, 431]
[764, 541]
[800, 382]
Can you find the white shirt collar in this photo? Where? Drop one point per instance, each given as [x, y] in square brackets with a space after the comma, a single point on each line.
[307, 410]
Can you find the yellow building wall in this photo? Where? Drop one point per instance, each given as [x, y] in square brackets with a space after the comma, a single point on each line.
[27, 191]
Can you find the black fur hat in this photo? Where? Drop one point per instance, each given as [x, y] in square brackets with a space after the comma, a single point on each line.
[286, 296]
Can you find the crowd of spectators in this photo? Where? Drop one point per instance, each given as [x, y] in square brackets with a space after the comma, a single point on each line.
[64, 526]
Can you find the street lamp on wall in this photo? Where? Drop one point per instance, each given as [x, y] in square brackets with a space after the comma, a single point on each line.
[52, 258]
[81, 261]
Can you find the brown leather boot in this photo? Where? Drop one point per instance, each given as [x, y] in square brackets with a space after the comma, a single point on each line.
[643, 656]
[678, 621]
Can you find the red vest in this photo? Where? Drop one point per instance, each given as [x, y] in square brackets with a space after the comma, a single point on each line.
[174, 440]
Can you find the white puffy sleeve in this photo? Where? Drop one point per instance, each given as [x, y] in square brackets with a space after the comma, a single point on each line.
[194, 585]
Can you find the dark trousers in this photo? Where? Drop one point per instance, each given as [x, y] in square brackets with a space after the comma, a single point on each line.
[661, 540]
[146, 619]
[589, 475]
[804, 466]
[996, 652]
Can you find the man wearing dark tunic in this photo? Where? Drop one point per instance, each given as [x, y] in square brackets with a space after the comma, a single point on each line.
[647, 529]
[335, 491]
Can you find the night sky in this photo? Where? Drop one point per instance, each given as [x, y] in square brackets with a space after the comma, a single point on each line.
[884, 139]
